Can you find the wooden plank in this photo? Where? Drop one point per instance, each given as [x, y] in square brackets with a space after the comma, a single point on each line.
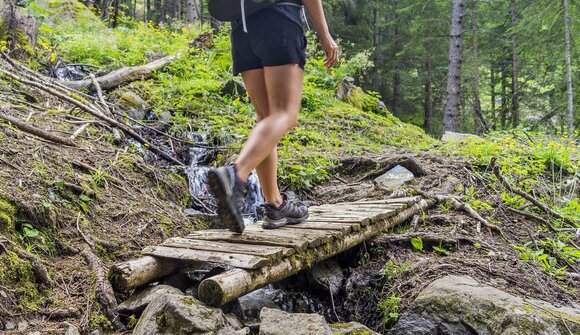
[345, 228]
[407, 200]
[235, 260]
[298, 243]
[230, 248]
[314, 238]
[353, 226]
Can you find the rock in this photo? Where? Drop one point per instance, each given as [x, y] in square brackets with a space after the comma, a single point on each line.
[133, 105]
[249, 306]
[351, 328]
[138, 302]
[165, 116]
[71, 329]
[456, 305]
[34, 333]
[9, 325]
[395, 178]
[180, 281]
[234, 88]
[450, 136]
[95, 332]
[345, 87]
[277, 322]
[183, 315]
[22, 326]
[327, 276]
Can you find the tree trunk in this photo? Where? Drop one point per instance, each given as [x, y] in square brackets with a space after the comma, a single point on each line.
[493, 97]
[396, 74]
[116, 5]
[428, 106]
[451, 116]
[503, 111]
[570, 116]
[147, 10]
[479, 121]
[515, 70]
[177, 9]
[376, 41]
[193, 11]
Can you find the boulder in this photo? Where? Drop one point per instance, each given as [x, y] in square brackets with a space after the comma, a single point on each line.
[138, 302]
[395, 178]
[327, 276]
[133, 105]
[71, 329]
[346, 86]
[182, 315]
[248, 307]
[351, 328]
[450, 136]
[458, 305]
[277, 322]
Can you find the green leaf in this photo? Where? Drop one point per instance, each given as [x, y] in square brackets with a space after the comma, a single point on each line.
[85, 198]
[417, 243]
[441, 251]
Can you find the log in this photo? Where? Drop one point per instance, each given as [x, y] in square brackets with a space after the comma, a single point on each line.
[25, 127]
[121, 76]
[223, 288]
[131, 274]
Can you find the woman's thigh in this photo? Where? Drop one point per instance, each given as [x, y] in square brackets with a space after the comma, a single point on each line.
[256, 87]
[284, 86]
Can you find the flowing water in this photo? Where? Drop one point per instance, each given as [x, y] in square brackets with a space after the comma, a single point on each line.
[197, 171]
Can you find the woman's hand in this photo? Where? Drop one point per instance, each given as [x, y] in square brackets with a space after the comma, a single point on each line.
[330, 49]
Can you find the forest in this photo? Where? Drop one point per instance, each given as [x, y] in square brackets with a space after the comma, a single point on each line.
[438, 158]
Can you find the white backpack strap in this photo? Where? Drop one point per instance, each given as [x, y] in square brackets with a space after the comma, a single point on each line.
[305, 18]
[244, 24]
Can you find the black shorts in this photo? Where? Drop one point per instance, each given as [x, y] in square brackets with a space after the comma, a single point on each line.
[272, 40]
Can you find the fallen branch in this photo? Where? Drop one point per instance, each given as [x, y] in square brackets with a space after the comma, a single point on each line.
[497, 171]
[542, 220]
[35, 131]
[425, 237]
[407, 162]
[104, 291]
[96, 113]
[79, 131]
[121, 76]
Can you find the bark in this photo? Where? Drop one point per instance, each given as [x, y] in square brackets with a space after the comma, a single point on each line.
[376, 42]
[177, 9]
[451, 116]
[570, 93]
[122, 76]
[396, 74]
[515, 70]
[25, 127]
[135, 273]
[503, 111]
[428, 104]
[18, 28]
[493, 96]
[225, 287]
[479, 121]
[193, 11]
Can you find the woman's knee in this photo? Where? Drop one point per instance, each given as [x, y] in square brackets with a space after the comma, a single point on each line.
[289, 119]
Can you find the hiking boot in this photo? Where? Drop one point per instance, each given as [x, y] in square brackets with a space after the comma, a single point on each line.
[292, 211]
[230, 192]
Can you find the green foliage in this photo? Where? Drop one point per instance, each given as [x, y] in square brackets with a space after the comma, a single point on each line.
[548, 263]
[390, 309]
[417, 243]
[7, 214]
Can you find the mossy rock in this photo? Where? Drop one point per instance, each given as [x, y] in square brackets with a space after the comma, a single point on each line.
[7, 214]
[55, 12]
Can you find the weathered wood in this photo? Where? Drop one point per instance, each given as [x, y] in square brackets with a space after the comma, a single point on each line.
[256, 250]
[122, 76]
[225, 287]
[27, 128]
[353, 226]
[131, 274]
[236, 260]
[407, 200]
[295, 242]
[345, 228]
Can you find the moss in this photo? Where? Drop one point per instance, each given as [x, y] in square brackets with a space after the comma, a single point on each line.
[17, 275]
[7, 214]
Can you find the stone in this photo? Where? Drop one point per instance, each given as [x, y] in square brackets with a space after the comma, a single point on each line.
[9, 325]
[351, 328]
[327, 276]
[248, 307]
[22, 326]
[132, 104]
[165, 116]
[180, 281]
[395, 178]
[34, 333]
[138, 302]
[277, 322]
[71, 329]
[459, 305]
[346, 86]
[183, 315]
[234, 88]
[450, 136]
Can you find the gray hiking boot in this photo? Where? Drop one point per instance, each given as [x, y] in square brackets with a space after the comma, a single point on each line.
[230, 193]
[292, 211]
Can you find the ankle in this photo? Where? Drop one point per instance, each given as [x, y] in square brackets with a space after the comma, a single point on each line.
[240, 176]
[277, 202]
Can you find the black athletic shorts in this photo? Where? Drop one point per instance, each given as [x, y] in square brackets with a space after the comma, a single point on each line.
[273, 39]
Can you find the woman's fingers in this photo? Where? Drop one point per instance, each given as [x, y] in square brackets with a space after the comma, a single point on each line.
[331, 51]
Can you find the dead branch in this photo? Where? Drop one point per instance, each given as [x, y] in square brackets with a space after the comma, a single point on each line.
[542, 220]
[96, 113]
[39, 270]
[35, 131]
[79, 131]
[121, 76]
[426, 237]
[459, 205]
[497, 171]
[104, 291]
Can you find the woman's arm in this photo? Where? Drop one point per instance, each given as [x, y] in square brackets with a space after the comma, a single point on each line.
[316, 12]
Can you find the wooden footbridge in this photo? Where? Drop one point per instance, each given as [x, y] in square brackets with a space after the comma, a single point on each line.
[259, 257]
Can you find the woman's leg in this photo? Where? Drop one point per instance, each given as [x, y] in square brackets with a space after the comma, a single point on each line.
[268, 169]
[284, 89]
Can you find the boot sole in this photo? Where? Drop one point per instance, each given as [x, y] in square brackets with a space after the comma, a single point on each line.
[226, 212]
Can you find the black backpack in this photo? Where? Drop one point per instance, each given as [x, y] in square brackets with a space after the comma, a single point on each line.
[231, 10]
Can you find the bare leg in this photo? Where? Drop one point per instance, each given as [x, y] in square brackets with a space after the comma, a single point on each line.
[284, 89]
[268, 169]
